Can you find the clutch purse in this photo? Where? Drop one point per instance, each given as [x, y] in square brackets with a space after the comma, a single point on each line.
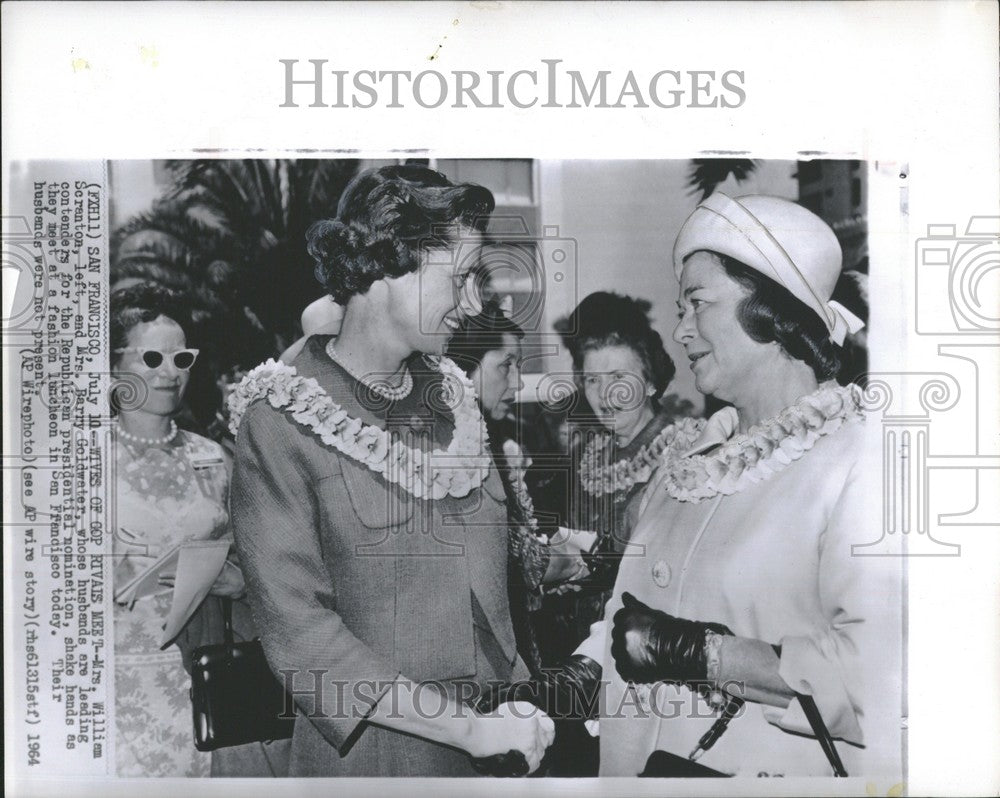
[235, 698]
[664, 765]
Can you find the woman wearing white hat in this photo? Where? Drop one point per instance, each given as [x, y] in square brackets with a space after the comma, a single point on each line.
[743, 629]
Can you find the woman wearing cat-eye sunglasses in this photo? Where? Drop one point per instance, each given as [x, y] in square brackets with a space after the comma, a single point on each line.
[171, 486]
[183, 359]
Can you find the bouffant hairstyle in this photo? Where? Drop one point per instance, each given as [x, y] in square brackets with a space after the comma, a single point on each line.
[608, 319]
[385, 217]
[769, 313]
[480, 334]
[143, 303]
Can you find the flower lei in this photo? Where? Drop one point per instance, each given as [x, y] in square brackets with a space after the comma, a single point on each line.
[764, 450]
[515, 477]
[524, 499]
[624, 474]
[464, 464]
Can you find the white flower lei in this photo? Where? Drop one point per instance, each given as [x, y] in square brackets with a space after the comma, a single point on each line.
[517, 464]
[463, 465]
[624, 474]
[765, 449]
[524, 499]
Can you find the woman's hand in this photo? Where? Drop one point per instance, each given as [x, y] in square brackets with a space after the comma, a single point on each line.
[566, 561]
[229, 583]
[649, 645]
[514, 726]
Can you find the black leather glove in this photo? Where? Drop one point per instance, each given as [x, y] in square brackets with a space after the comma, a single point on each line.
[651, 646]
[569, 691]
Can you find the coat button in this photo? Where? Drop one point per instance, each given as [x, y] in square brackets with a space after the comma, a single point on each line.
[661, 573]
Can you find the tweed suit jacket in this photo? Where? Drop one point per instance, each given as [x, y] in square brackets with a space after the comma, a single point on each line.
[356, 580]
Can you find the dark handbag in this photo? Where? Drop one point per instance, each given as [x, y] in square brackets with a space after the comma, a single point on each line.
[234, 696]
[664, 765]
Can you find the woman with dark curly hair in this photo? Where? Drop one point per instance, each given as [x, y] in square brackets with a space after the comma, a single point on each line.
[622, 368]
[487, 347]
[744, 631]
[172, 486]
[368, 516]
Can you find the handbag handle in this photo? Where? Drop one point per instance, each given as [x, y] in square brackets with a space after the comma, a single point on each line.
[227, 622]
[811, 711]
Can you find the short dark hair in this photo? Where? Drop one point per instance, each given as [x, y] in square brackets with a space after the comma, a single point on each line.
[384, 217]
[769, 313]
[144, 303]
[605, 318]
[480, 334]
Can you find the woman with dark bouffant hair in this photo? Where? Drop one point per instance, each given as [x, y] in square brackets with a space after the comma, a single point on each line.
[487, 347]
[622, 368]
[369, 519]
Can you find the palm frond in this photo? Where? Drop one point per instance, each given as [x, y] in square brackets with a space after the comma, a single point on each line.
[707, 174]
[173, 219]
[263, 207]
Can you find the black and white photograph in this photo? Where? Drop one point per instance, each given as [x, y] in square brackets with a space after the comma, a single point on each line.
[460, 449]
[470, 413]
[414, 478]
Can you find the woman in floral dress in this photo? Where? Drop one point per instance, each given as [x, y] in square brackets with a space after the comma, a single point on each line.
[172, 485]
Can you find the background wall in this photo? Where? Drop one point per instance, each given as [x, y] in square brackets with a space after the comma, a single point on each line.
[135, 185]
[624, 216]
[620, 216]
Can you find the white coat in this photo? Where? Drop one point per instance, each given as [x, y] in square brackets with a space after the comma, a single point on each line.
[772, 561]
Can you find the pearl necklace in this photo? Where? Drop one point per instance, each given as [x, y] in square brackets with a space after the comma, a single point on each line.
[127, 436]
[376, 385]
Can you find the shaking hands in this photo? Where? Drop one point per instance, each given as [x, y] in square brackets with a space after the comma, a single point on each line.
[511, 740]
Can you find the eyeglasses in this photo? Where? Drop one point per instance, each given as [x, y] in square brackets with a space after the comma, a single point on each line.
[153, 358]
